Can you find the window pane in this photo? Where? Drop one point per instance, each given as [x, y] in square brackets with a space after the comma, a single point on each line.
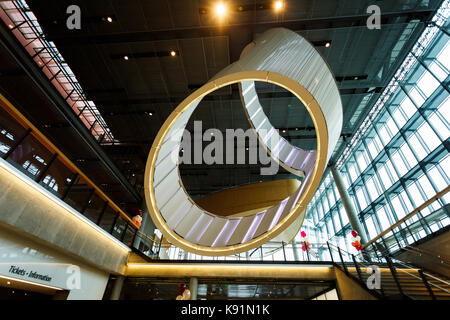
[439, 126]
[58, 178]
[371, 227]
[382, 216]
[428, 136]
[94, 209]
[417, 97]
[371, 189]
[427, 83]
[78, 195]
[408, 107]
[361, 199]
[437, 178]
[30, 156]
[10, 132]
[399, 164]
[417, 147]
[409, 156]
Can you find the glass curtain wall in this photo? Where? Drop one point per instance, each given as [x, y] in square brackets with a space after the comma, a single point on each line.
[402, 156]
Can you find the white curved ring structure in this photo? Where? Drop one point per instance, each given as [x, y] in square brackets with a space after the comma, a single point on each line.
[278, 56]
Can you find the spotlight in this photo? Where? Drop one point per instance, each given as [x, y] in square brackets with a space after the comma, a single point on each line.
[173, 53]
[327, 45]
[126, 58]
[109, 19]
[278, 5]
[220, 9]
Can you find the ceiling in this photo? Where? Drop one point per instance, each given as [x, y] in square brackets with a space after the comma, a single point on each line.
[152, 81]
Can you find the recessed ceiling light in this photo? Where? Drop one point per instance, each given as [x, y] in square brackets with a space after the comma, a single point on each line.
[220, 9]
[284, 131]
[173, 53]
[278, 5]
[327, 45]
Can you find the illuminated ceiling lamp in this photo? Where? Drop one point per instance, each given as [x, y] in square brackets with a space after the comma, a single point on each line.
[220, 9]
[278, 5]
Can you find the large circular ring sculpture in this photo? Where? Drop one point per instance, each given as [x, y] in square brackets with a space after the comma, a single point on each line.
[278, 56]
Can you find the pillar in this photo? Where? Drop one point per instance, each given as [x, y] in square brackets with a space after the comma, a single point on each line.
[348, 204]
[117, 289]
[193, 287]
[295, 250]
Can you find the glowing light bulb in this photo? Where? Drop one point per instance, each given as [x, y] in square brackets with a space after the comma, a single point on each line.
[278, 5]
[173, 53]
[221, 9]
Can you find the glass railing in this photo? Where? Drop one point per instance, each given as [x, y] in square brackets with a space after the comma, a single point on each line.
[273, 251]
[23, 146]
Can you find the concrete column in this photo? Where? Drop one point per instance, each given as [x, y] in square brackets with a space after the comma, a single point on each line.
[348, 205]
[117, 289]
[193, 287]
[295, 250]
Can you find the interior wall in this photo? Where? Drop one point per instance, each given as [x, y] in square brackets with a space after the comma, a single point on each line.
[22, 258]
[27, 206]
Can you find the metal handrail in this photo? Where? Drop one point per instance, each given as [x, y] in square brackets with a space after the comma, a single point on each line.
[427, 283]
[408, 216]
